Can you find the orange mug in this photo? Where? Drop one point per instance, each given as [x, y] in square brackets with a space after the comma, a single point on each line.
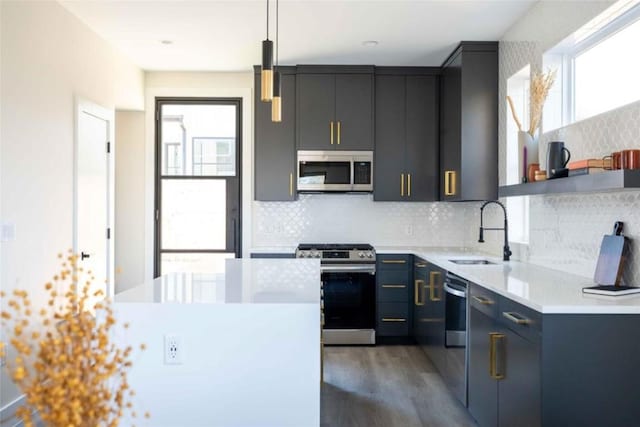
[630, 159]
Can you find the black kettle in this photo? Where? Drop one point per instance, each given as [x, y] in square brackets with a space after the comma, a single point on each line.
[557, 158]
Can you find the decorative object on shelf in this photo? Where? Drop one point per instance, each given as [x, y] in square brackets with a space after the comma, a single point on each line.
[630, 159]
[557, 159]
[266, 94]
[541, 175]
[276, 103]
[539, 90]
[531, 172]
[66, 364]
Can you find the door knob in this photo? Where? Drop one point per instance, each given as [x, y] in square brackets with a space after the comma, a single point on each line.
[83, 256]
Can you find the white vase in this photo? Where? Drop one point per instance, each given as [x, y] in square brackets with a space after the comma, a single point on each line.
[525, 140]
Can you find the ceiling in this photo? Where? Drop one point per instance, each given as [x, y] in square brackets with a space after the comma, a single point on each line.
[209, 35]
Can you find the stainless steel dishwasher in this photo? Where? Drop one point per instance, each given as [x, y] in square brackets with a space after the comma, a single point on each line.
[455, 373]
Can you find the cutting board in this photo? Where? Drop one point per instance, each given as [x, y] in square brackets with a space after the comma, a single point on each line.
[613, 251]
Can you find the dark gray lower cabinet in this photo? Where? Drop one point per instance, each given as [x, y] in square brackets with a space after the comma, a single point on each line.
[504, 361]
[527, 369]
[393, 279]
[428, 311]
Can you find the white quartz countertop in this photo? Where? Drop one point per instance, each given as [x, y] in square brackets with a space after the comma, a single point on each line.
[242, 281]
[542, 289]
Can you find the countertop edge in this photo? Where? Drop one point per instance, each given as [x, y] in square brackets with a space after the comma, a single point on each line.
[543, 309]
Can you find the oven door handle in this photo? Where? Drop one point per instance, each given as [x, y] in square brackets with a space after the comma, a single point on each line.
[448, 289]
[371, 269]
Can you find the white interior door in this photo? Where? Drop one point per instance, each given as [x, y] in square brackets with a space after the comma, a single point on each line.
[94, 193]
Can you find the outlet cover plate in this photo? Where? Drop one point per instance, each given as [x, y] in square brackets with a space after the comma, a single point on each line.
[172, 350]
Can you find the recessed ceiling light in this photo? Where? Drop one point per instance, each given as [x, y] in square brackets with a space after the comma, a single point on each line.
[166, 42]
[370, 43]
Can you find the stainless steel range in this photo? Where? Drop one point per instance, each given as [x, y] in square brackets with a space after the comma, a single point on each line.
[348, 285]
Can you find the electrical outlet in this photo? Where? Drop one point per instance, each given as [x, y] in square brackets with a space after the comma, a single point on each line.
[172, 350]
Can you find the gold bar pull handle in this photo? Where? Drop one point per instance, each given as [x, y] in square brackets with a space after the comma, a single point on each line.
[432, 286]
[516, 318]
[393, 261]
[494, 372]
[418, 286]
[291, 184]
[339, 126]
[409, 185]
[421, 264]
[394, 286]
[331, 127]
[450, 183]
[393, 319]
[482, 300]
[401, 185]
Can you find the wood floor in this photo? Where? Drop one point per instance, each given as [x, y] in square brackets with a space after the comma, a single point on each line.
[386, 386]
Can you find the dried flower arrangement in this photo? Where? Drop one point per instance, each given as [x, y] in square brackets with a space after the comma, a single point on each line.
[66, 365]
[540, 85]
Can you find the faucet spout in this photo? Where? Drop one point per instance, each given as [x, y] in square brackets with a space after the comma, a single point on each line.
[506, 251]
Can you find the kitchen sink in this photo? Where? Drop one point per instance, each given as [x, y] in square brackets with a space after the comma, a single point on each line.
[471, 261]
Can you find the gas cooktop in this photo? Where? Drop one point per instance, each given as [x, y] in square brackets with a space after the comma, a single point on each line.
[341, 253]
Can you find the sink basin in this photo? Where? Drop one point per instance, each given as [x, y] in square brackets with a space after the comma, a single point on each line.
[471, 261]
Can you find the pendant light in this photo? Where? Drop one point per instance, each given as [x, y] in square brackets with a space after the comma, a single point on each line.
[276, 102]
[267, 66]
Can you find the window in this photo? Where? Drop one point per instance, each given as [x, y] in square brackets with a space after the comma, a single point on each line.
[518, 207]
[598, 67]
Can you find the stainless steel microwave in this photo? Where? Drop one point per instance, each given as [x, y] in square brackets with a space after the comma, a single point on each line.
[320, 171]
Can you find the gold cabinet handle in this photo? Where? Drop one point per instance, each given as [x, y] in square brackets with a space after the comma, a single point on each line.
[409, 185]
[291, 184]
[402, 185]
[450, 183]
[494, 337]
[393, 261]
[421, 264]
[339, 126]
[418, 289]
[516, 318]
[432, 286]
[482, 300]
[331, 126]
[394, 286]
[393, 319]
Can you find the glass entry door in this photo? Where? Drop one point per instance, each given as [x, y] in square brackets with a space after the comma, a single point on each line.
[197, 184]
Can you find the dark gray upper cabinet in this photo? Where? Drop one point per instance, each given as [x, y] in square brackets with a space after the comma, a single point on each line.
[406, 138]
[275, 160]
[335, 107]
[469, 123]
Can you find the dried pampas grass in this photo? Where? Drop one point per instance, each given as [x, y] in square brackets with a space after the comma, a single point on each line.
[540, 85]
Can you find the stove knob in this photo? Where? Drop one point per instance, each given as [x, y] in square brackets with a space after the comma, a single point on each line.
[317, 254]
[369, 255]
[303, 254]
[361, 254]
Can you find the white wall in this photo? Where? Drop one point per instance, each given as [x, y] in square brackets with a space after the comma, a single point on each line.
[129, 227]
[566, 230]
[196, 84]
[48, 58]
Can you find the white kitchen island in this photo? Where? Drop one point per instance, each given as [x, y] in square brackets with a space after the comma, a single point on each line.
[249, 344]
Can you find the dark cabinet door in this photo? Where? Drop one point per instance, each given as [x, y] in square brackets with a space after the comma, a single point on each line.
[316, 127]
[434, 317]
[519, 393]
[418, 294]
[422, 138]
[389, 154]
[354, 112]
[450, 130]
[275, 145]
[482, 388]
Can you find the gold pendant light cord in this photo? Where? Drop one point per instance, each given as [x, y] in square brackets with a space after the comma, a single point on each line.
[277, 30]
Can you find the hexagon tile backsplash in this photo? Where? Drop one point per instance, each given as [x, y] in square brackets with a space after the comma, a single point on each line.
[330, 218]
